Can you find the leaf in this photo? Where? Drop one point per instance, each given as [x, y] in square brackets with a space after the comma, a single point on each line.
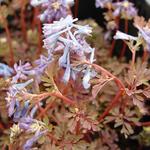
[146, 92]
[138, 101]
[102, 81]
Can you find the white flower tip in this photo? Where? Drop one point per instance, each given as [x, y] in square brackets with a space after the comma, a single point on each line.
[70, 2]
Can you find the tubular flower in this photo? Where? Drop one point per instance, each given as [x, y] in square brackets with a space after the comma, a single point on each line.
[123, 36]
[29, 143]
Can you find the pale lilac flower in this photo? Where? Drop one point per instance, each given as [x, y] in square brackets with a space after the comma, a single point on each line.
[5, 70]
[29, 143]
[125, 8]
[67, 73]
[89, 73]
[102, 3]
[23, 71]
[123, 36]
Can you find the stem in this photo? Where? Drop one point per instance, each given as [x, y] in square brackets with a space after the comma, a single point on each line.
[133, 57]
[34, 18]
[76, 8]
[1, 126]
[39, 33]
[23, 22]
[140, 124]
[117, 20]
[51, 136]
[111, 105]
[145, 55]
[40, 97]
[50, 105]
[8, 39]
[124, 44]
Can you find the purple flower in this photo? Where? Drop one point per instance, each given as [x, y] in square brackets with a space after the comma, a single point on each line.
[22, 72]
[29, 143]
[102, 3]
[25, 123]
[5, 70]
[125, 8]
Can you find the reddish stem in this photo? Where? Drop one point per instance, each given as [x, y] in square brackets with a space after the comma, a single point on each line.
[139, 124]
[45, 110]
[23, 22]
[1, 126]
[117, 20]
[76, 8]
[53, 138]
[39, 33]
[40, 97]
[145, 55]
[34, 18]
[133, 57]
[111, 105]
[3, 147]
[9, 40]
[124, 44]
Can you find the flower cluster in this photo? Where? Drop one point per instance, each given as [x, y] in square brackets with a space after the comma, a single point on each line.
[126, 9]
[54, 9]
[67, 38]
